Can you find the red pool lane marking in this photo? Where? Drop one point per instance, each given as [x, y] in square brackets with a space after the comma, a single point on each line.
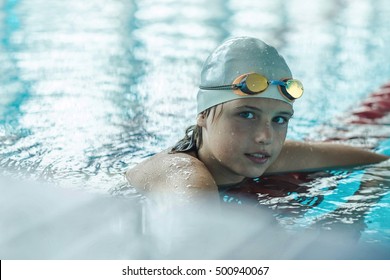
[375, 107]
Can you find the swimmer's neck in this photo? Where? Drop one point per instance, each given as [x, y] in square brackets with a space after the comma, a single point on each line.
[219, 178]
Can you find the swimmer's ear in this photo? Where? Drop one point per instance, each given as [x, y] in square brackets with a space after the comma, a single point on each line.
[201, 119]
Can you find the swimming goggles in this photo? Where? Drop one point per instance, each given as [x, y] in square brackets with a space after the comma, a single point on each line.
[253, 83]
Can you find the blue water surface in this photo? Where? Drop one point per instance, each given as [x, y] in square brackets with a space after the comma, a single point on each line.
[90, 88]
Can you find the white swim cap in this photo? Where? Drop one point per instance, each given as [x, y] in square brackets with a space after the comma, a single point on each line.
[236, 57]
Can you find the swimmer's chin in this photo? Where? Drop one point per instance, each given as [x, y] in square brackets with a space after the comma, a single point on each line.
[255, 174]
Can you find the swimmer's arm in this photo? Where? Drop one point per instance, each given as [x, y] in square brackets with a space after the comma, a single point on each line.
[178, 177]
[300, 156]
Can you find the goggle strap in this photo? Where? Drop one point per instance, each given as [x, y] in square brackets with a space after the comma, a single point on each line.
[234, 86]
[276, 82]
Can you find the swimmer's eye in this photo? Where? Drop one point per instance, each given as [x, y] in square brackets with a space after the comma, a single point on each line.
[281, 120]
[247, 115]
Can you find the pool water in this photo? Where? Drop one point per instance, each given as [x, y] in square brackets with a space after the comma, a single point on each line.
[90, 88]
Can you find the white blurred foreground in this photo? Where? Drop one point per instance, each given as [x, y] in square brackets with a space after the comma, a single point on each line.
[45, 222]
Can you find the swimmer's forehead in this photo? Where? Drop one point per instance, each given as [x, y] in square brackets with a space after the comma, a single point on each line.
[261, 105]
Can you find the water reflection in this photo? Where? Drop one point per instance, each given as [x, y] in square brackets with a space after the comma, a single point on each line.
[89, 88]
[77, 67]
[105, 85]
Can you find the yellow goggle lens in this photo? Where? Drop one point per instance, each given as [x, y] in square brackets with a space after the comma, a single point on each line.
[256, 83]
[294, 88]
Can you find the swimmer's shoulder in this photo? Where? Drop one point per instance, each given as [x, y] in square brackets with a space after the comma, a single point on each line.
[171, 171]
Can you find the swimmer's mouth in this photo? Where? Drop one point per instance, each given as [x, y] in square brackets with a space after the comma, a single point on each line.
[259, 157]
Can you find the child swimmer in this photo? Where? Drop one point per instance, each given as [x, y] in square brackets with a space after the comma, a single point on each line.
[244, 104]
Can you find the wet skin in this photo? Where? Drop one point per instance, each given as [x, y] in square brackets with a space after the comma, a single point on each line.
[243, 138]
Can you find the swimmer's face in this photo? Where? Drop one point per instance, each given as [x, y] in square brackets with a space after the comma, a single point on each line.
[244, 137]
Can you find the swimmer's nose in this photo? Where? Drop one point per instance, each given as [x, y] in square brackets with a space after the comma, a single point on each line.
[264, 133]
